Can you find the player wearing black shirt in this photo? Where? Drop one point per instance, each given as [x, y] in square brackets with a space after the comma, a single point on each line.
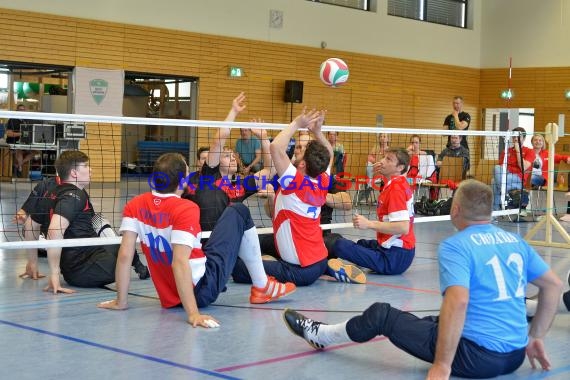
[69, 215]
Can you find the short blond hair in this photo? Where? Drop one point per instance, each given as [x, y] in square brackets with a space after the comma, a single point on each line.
[475, 200]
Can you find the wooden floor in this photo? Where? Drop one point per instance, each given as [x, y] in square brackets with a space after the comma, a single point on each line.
[65, 336]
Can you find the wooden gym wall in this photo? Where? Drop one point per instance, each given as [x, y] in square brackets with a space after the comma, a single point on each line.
[540, 88]
[407, 93]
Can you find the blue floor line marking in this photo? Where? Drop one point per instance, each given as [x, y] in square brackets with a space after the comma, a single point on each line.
[119, 350]
[62, 299]
[73, 299]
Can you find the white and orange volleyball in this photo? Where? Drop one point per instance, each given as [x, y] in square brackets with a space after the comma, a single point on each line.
[334, 72]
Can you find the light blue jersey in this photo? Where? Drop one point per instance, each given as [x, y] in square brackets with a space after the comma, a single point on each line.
[495, 266]
[246, 149]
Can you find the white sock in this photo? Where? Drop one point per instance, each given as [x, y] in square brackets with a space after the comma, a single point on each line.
[333, 334]
[531, 307]
[532, 304]
[250, 253]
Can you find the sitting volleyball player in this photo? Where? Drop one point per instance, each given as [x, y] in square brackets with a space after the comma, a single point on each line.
[183, 272]
[393, 250]
[34, 215]
[218, 183]
[337, 199]
[482, 330]
[68, 214]
[301, 193]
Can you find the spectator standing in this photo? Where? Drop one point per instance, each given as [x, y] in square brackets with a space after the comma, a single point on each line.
[458, 119]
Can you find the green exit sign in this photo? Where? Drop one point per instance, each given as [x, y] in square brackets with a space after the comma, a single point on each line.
[507, 94]
[235, 72]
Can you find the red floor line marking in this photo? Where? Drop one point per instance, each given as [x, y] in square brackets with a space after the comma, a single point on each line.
[404, 288]
[430, 291]
[293, 356]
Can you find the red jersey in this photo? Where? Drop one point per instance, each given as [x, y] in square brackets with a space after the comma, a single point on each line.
[298, 201]
[396, 203]
[542, 161]
[161, 220]
[422, 168]
[414, 170]
[512, 163]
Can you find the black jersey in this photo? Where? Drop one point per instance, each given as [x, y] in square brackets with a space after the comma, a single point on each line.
[40, 201]
[449, 122]
[13, 125]
[213, 193]
[73, 204]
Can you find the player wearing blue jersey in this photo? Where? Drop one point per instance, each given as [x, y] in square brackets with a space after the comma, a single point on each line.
[481, 330]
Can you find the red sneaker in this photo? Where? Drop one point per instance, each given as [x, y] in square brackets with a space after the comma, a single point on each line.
[272, 291]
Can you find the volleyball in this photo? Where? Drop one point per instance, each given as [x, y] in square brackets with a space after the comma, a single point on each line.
[334, 72]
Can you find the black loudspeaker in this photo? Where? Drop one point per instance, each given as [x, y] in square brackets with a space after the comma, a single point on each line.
[293, 91]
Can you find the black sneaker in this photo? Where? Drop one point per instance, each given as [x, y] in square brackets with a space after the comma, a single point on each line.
[566, 300]
[141, 270]
[303, 327]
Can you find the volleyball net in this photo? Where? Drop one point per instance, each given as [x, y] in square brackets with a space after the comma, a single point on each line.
[122, 152]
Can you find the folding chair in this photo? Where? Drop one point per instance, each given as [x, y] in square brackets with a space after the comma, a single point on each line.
[485, 170]
[366, 193]
[426, 169]
[450, 172]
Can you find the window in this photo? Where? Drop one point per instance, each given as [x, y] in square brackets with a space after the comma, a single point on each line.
[356, 4]
[3, 94]
[30, 81]
[3, 81]
[445, 12]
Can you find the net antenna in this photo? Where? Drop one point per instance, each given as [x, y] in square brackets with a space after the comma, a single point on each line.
[507, 95]
[549, 221]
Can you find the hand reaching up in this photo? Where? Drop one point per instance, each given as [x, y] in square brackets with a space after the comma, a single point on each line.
[315, 127]
[238, 104]
[306, 118]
